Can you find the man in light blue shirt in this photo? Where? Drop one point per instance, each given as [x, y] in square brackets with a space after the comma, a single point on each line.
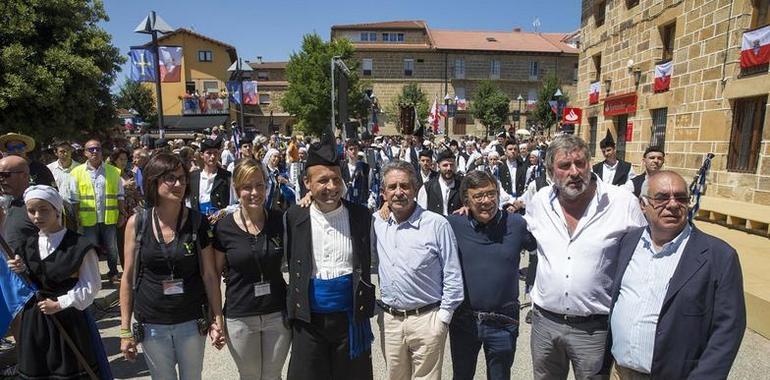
[420, 278]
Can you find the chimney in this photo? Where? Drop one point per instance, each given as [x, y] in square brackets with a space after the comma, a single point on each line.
[259, 59]
[517, 29]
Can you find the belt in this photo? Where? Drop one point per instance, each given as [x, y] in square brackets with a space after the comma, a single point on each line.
[406, 313]
[570, 318]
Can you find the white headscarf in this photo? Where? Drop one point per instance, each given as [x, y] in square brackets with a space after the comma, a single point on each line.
[268, 156]
[46, 193]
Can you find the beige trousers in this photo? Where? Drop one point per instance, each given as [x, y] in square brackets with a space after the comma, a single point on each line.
[623, 373]
[414, 346]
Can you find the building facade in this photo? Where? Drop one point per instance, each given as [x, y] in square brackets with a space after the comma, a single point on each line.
[452, 63]
[267, 116]
[703, 100]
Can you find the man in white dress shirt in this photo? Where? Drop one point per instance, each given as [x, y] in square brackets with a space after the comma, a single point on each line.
[612, 170]
[578, 224]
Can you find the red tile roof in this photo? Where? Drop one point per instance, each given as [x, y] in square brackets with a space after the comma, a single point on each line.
[409, 24]
[190, 32]
[501, 41]
[268, 65]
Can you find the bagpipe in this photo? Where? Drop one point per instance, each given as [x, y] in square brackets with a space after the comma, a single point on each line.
[698, 185]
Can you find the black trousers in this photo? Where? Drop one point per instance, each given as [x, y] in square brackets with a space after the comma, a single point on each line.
[319, 350]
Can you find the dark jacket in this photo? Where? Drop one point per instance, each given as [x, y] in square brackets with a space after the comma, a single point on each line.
[220, 192]
[703, 318]
[436, 201]
[621, 172]
[505, 177]
[638, 181]
[433, 174]
[299, 256]
[357, 182]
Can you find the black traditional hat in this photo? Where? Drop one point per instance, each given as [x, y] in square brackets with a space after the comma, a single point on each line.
[607, 141]
[209, 144]
[426, 153]
[445, 155]
[323, 152]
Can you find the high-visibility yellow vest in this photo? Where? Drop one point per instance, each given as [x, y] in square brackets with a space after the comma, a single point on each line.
[87, 212]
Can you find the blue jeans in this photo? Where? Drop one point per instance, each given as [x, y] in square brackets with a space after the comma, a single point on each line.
[105, 236]
[466, 337]
[165, 346]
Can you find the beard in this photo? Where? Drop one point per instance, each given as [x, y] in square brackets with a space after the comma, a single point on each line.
[573, 187]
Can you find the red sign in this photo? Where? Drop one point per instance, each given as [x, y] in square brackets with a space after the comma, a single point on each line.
[629, 131]
[620, 104]
[572, 116]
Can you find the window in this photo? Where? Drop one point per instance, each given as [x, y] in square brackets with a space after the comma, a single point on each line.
[400, 37]
[658, 136]
[264, 98]
[366, 65]
[494, 69]
[460, 92]
[598, 67]
[408, 67]
[575, 73]
[667, 35]
[263, 75]
[204, 56]
[748, 117]
[761, 13]
[532, 95]
[385, 37]
[593, 123]
[600, 8]
[631, 3]
[364, 36]
[189, 87]
[534, 70]
[372, 36]
[210, 87]
[460, 68]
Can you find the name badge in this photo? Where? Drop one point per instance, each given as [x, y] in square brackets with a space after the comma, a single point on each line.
[261, 289]
[173, 287]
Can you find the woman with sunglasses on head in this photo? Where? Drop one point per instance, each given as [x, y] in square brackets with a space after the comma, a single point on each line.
[170, 279]
[249, 249]
[63, 266]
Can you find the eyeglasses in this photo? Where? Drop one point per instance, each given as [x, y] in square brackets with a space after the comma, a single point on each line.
[18, 147]
[94, 149]
[5, 175]
[479, 197]
[662, 200]
[170, 179]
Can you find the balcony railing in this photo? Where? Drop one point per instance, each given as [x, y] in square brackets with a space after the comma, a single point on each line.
[754, 70]
[211, 104]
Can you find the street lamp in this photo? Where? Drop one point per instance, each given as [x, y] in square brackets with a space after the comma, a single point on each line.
[558, 96]
[238, 68]
[518, 117]
[447, 98]
[153, 24]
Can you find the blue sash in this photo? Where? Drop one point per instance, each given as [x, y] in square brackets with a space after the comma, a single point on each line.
[334, 296]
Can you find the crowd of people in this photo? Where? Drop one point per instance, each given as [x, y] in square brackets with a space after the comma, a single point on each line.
[620, 281]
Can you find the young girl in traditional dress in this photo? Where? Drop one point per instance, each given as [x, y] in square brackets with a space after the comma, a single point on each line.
[63, 266]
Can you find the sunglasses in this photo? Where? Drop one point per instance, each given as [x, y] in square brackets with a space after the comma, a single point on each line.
[170, 179]
[5, 175]
[94, 149]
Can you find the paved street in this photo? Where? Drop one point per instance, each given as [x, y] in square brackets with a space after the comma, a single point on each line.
[751, 363]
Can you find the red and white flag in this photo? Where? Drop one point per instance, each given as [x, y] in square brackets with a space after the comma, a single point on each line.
[593, 93]
[434, 116]
[755, 49]
[170, 58]
[250, 93]
[663, 76]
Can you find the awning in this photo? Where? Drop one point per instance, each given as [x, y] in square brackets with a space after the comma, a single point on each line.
[193, 122]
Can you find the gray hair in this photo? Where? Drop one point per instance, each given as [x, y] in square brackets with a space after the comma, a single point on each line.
[565, 143]
[402, 166]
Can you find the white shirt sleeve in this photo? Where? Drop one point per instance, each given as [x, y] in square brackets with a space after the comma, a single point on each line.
[422, 197]
[89, 283]
[629, 185]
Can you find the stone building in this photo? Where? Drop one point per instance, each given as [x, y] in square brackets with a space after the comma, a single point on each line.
[453, 62]
[711, 105]
[267, 116]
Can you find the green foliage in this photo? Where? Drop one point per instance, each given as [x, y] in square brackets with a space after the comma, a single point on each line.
[543, 114]
[134, 95]
[490, 106]
[411, 96]
[56, 68]
[308, 72]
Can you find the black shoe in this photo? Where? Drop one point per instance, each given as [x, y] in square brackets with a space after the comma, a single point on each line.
[8, 372]
[528, 318]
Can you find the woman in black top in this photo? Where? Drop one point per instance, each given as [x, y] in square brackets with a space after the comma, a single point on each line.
[175, 279]
[248, 247]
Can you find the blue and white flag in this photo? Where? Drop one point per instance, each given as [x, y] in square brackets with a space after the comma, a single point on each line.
[234, 89]
[142, 65]
[15, 294]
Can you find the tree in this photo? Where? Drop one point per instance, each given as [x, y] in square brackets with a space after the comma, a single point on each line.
[308, 72]
[411, 96]
[543, 113]
[490, 106]
[57, 66]
[135, 96]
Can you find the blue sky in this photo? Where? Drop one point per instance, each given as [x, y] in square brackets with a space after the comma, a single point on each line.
[274, 29]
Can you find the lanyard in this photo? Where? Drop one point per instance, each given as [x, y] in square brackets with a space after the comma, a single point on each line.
[168, 254]
[253, 244]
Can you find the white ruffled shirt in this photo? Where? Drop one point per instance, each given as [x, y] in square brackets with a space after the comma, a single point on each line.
[89, 282]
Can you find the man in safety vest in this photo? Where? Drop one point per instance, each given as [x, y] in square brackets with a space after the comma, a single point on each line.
[96, 193]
